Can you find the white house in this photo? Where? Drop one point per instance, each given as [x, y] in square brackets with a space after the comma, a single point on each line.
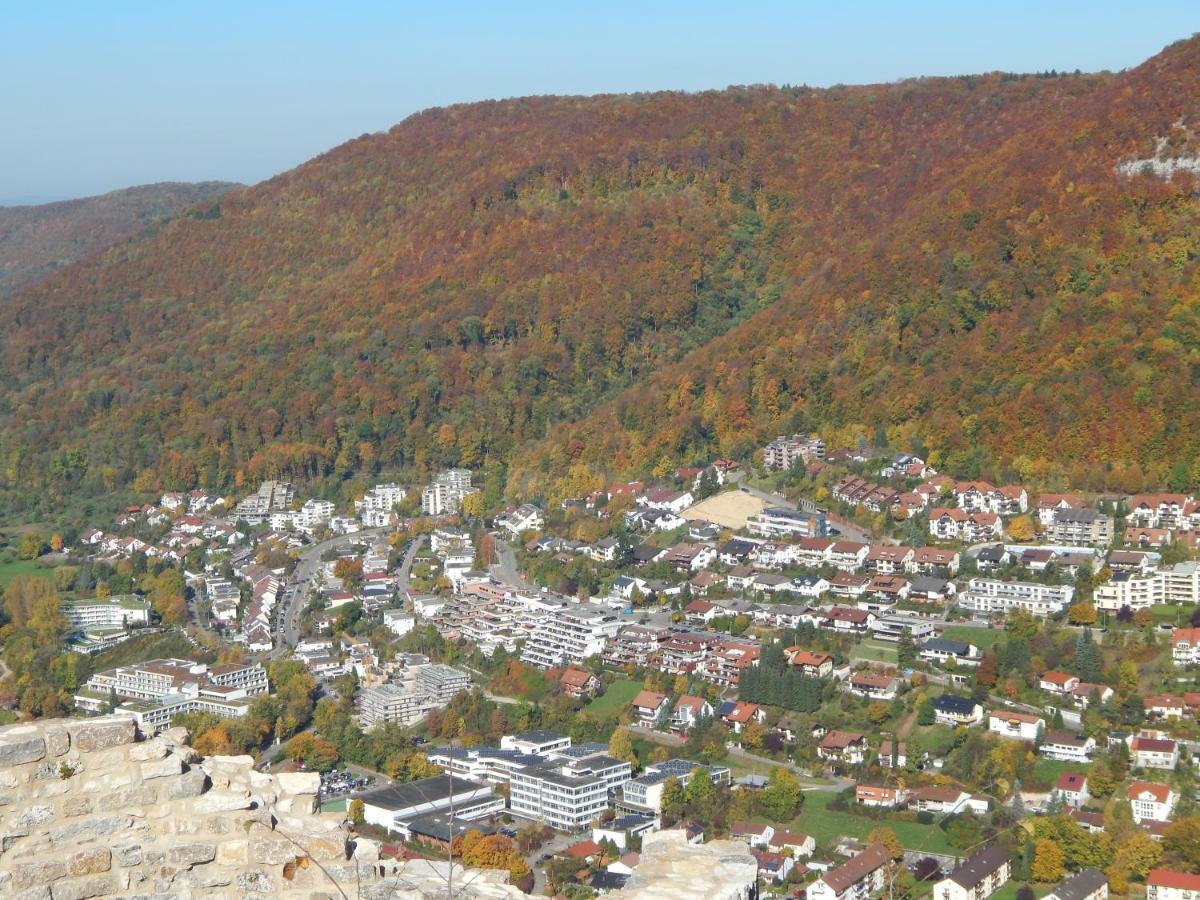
[1016, 725]
[1151, 801]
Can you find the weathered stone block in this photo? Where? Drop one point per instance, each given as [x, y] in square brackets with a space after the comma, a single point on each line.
[90, 862]
[43, 871]
[190, 784]
[82, 888]
[18, 749]
[192, 854]
[76, 806]
[299, 782]
[161, 768]
[129, 856]
[33, 815]
[256, 881]
[221, 801]
[330, 847]
[143, 795]
[272, 849]
[58, 740]
[33, 893]
[88, 828]
[155, 748]
[233, 853]
[100, 734]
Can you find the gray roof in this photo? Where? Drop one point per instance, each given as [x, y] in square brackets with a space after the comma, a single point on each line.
[945, 645]
[979, 866]
[924, 583]
[416, 793]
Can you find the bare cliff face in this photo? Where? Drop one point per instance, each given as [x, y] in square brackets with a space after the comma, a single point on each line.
[89, 809]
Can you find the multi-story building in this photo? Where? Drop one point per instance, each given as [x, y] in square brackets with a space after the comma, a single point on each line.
[1151, 801]
[643, 795]
[1020, 726]
[1185, 646]
[989, 595]
[858, 879]
[980, 875]
[781, 521]
[391, 704]
[570, 635]
[445, 493]
[566, 794]
[1068, 747]
[1083, 527]
[1166, 884]
[109, 612]
[1157, 510]
[1174, 584]
[156, 691]
[785, 452]
[441, 682]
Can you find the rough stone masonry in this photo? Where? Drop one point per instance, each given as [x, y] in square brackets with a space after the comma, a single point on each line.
[90, 809]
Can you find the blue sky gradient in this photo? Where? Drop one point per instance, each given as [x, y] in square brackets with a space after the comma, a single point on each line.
[99, 96]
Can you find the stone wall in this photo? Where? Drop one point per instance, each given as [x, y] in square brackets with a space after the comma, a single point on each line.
[90, 809]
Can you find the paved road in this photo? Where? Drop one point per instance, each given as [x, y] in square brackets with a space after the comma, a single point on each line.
[534, 859]
[295, 595]
[505, 568]
[402, 579]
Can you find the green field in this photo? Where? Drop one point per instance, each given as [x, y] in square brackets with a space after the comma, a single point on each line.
[826, 826]
[875, 651]
[1009, 890]
[983, 638]
[11, 568]
[1177, 614]
[618, 696]
[1046, 771]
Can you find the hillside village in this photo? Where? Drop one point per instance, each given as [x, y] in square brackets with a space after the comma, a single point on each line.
[874, 674]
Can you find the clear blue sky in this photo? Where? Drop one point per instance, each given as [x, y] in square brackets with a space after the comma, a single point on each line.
[101, 95]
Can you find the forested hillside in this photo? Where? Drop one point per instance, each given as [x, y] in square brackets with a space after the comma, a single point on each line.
[36, 241]
[585, 287]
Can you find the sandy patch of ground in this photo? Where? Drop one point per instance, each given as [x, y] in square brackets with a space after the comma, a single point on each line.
[729, 510]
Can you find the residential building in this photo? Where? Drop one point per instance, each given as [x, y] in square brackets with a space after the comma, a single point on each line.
[1065, 746]
[782, 521]
[785, 452]
[989, 595]
[939, 800]
[951, 710]
[1153, 753]
[1072, 789]
[110, 612]
[689, 710]
[1166, 884]
[1185, 646]
[980, 875]
[858, 879]
[1157, 510]
[442, 682]
[880, 796]
[572, 634]
[941, 650]
[809, 662]
[392, 704]
[1058, 682]
[873, 685]
[648, 708]
[848, 747]
[756, 834]
[1082, 527]
[1151, 802]
[1016, 725]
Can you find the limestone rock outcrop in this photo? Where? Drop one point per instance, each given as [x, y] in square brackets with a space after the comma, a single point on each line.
[88, 808]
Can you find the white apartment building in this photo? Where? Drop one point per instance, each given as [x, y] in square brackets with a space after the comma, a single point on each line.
[784, 452]
[382, 497]
[109, 612]
[1165, 884]
[441, 682]
[1151, 801]
[1179, 583]
[444, 494]
[781, 521]
[1019, 726]
[569, 635]
[989, 595]
[858, 879]
[392, 704]
[566, 794]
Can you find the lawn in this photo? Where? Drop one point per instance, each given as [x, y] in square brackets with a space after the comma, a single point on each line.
[618, 696]
[1010, 888]
[1179, 614]
[826, 826]
[984, 638]
[875, 651]
[1046, 771]
[10, 568]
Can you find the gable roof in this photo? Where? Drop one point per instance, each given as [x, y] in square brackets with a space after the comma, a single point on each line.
[850, 873]
[649, 700]
[978, 866]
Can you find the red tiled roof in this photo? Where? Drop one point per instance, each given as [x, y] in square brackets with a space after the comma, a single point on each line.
[1183, 881]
